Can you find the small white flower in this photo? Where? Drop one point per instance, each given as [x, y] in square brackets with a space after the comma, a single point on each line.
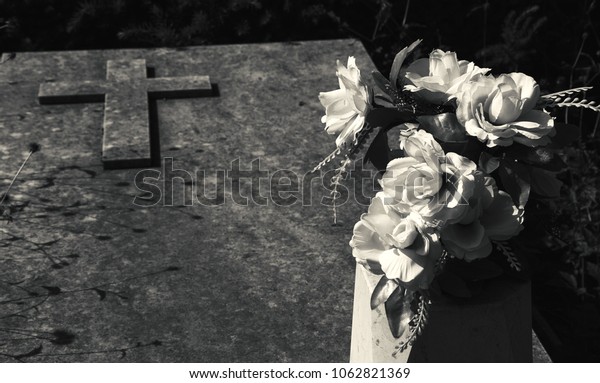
[346, 108]
[440, 78]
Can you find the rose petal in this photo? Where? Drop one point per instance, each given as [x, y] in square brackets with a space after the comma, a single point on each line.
[419, 68]
[450, 65]
[529, 90]
[327, 98]
[467, 236]
[404, 265]
[532, 143]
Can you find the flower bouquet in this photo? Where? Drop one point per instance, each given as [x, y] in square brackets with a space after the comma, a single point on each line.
[472, 148]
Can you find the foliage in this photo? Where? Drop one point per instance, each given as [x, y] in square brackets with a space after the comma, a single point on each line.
[517, 34]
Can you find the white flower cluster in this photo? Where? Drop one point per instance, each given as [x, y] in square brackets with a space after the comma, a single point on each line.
[434, 200]
[431, 200]
[473, 148]
[496, 110]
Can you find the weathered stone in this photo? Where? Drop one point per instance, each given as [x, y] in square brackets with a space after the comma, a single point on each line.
[126, 138]
[166, 281]
[540, 355]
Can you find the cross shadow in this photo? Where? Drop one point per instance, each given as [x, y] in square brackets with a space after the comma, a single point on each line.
[155, 156]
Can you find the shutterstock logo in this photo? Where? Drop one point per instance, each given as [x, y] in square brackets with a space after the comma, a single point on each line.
[248, 184]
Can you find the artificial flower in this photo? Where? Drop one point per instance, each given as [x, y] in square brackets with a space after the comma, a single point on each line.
[389, 243]
[500, 111]
[440, 78]
[429, 182]
[492, 216]
[346, 108]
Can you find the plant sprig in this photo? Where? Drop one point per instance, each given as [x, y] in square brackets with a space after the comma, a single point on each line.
[361, 140]
[511, 257]
[417, 323]
[568, 98]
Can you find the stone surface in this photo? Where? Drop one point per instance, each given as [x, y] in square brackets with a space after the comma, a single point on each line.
[494, 326]
[127, 120]
[540, 355]
[163, 281]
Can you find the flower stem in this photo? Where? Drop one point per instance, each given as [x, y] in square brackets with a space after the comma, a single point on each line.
[15, 177]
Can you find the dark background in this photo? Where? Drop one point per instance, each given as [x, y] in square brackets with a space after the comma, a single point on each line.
[556, 42]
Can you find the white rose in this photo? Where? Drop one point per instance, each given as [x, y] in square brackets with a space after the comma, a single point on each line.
[492, 217]
[413, 185]
[346, 108]
[388, 243]
[441, 77]
[467, 242]
[433, 184]
[499, 111]
[423, 147]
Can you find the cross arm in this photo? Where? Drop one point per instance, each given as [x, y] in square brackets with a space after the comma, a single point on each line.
[179, 87]
[70, 92]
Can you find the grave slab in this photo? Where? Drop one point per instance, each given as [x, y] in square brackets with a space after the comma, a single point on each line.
[95, 269]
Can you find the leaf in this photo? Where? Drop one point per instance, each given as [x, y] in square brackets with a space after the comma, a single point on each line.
[53, 290]
[515, 181]
[384, 85]
[452, 284]
[388, 117]
[398, 311]
[384, 101]
[488, 163]
[379, 151]
[542, 156]
[399, 60]
[384, 288]
[374, 267]
[445, 127]
[593, 271]
[545, 183]
[34, 352]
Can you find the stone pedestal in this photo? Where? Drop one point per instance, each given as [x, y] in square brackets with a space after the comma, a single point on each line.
[494, 326]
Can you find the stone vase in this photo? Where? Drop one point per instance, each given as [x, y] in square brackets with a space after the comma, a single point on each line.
[494, 326]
